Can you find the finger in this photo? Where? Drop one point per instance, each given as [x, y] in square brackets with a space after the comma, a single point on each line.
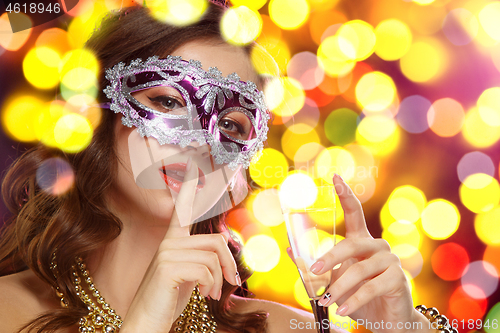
[348, 248]
[290, 254]
[390, 283]
[188, 272]
[355, 275]
[207, 258]
[215, 243]
[355, 223]
[181, 216]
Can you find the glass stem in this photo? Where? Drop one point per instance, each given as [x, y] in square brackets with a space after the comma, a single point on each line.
[321, 316]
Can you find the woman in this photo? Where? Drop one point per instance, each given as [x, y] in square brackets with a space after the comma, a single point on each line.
[132, 241]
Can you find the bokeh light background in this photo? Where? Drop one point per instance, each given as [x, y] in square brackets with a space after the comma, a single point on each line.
[400, 97]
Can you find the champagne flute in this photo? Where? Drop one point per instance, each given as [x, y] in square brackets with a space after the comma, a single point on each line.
[310, 223]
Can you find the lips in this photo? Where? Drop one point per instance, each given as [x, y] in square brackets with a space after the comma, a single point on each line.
[173, 175]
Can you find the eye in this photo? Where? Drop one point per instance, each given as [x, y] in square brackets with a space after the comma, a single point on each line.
[166, 102]
[229, 126]
[237, 125]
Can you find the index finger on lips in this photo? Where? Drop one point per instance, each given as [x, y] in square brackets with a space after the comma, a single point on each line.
[182, 214]
[354, 217]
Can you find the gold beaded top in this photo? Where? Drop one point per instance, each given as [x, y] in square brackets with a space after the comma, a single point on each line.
[196, 316]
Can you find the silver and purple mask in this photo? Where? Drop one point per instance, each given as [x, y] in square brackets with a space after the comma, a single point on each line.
[207, 115]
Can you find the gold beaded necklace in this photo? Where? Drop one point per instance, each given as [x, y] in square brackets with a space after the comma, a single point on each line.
[196, 316]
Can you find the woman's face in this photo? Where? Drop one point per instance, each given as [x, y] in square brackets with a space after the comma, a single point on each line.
[150, 175]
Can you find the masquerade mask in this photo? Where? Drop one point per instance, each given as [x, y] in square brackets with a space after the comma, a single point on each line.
[185, 103]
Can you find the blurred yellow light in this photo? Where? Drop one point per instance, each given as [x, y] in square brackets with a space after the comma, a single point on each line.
[380, 134]
[488, 106]
[376, 128]
[335, 160]
[264, 63]
[293, 100]
[40, 67]
[261, 253]
[487, 227]
[386, 218]
[271, 168]
[73, 133]
[177, 12]
[274, 92]
[375, 91]
[477, 132]
[403, 236]
[394, 39]
[79, 58]
[253, 4]
[19, 117]
[289, 14]
[281, 279]
[446, 117]
[332, 58]
[298, 190]
[241, 25]
[79, 79]
[81, 27]
[46, 122]
[356, 39]
[78, 71]
[266, 208]
[423, 2]
[425, 60]
[294, 138]
[406, 203]
[323, 217]
[300, 294]
[440, 219]
[276, 52]
[488, 17]
[9, 40]
[480, 192]
[307, 152]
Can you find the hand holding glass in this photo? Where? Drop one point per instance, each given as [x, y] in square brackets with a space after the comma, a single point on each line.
[310, 222]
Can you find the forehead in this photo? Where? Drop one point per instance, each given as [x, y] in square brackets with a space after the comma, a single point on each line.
[227, 58]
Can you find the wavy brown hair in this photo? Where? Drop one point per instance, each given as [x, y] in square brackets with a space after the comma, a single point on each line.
[78, 222]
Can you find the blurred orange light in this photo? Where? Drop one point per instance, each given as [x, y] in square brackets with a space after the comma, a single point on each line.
[321, 20]
[9, 40]
[446, 117]
[462, 306]
[492, 255]
[56, 39]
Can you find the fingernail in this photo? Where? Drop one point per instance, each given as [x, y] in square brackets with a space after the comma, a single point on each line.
[188, 164]
[220, 295]
[238, 279]
[317, 266]
[325, 299]
[338, 176]
[342, 310]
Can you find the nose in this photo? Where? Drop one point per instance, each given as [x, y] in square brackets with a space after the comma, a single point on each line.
[204, 149]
